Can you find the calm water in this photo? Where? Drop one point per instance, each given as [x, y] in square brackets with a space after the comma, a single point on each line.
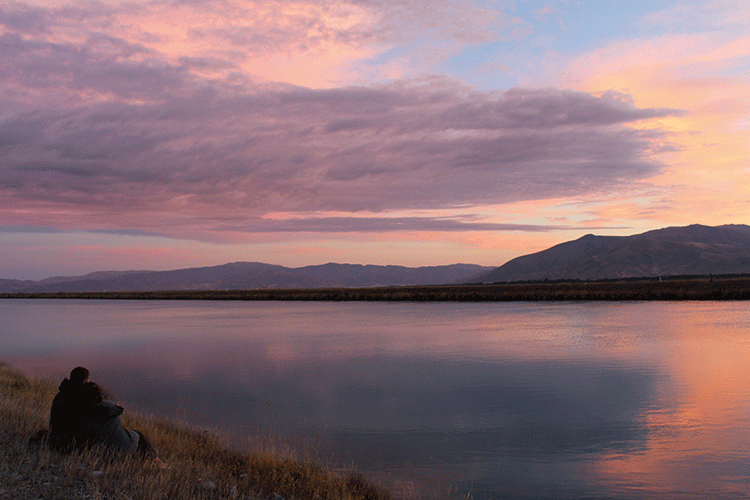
[522, 400]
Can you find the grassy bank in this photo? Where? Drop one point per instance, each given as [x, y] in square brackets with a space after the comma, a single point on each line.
[199, 467]
[735, 288]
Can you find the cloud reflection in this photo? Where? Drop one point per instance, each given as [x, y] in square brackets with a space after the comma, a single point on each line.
[484, 420]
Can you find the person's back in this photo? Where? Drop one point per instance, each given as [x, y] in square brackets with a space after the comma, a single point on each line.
[65, 413]
[101, 424]
[102, 427]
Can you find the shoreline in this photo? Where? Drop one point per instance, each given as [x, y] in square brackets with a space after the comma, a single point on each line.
[199, 465]
[732, 288]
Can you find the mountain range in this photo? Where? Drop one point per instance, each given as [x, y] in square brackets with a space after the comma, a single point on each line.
[249, 276]
[672, 251]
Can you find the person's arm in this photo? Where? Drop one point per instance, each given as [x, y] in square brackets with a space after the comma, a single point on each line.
[106, 410]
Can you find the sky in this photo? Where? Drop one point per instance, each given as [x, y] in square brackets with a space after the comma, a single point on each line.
[164, 134]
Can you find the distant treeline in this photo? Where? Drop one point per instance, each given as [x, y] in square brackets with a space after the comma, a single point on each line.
[682, 288]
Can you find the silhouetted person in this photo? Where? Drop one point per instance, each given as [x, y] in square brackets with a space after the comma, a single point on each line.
[65, 415]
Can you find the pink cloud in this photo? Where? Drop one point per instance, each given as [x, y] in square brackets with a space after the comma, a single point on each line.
[223, 154]
[149, 116]
[271, 40]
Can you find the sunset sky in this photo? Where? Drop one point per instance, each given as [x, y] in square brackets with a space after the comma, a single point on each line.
[158, 134]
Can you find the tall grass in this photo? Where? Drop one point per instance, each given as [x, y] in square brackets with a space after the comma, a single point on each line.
[198, 465]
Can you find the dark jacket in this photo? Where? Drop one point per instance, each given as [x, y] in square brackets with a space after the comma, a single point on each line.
[102, 427]
[65, 416]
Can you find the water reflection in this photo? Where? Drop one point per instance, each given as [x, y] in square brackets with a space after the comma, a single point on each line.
[478, 425]
[504, 400]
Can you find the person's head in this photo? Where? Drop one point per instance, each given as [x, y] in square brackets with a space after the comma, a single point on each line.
[92, 392]
[79, 375]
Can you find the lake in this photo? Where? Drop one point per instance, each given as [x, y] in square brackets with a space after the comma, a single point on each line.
[621, 400]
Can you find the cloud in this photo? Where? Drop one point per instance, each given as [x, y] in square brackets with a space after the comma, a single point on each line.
[694, 56]
[329, 225]
[383, 224]
[23, 18]
[273, 40]
[28, 229]
[111, 123]
[711, 15]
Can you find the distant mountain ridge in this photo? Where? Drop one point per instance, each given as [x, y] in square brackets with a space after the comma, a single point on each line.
[672, 251]
[248, 276]
[688, 250]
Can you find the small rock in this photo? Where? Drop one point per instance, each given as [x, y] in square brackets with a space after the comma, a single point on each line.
[209, 485]
[97, 474]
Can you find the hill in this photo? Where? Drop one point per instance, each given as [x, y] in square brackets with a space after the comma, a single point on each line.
[249, 276]
[672, 251]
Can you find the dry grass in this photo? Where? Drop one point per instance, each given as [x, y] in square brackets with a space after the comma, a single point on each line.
[199, 467]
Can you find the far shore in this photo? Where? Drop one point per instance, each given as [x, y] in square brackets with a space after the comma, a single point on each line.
[703, 288]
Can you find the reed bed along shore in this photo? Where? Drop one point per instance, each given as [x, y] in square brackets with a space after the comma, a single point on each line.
[198, 465]
[703, 288]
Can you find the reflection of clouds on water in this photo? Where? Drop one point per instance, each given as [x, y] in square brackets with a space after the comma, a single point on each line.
[499, 424]
[493, 423]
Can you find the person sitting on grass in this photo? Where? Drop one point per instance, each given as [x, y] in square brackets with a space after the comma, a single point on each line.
[65, 413]
[101, 427]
